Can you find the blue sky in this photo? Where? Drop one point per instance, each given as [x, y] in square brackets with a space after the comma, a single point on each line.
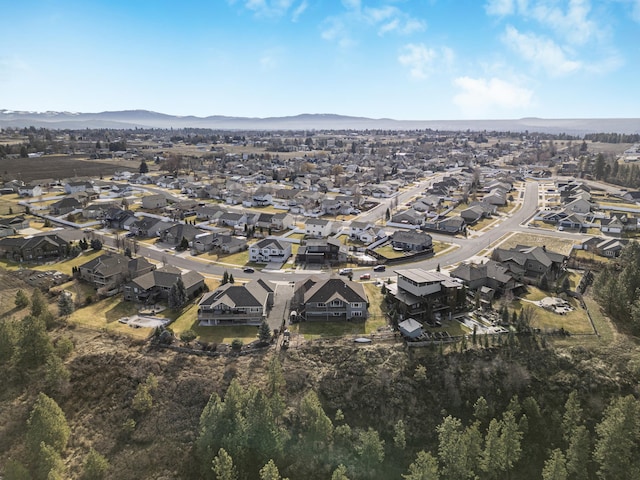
[408, 60]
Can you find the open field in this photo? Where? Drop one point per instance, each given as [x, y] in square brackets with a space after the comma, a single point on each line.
[62, 166]
[558, 245]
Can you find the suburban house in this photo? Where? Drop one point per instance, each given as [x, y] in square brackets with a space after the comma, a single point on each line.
[80, 186]
[412, 241]
[152, 202]
[149, 227]
[111, 270]
[333, 299]
[232, 219]
[269, 250]
[282, 221]
[322, 251]
[233, 304]
[318, 228]
[410, 217]
[530, 262]
[177, 232]
[65, 205]
[30, 190]
[118, 218]
[221, 242]
[427, 295]
[16, 223]
[489, 274]
[611, 225]
[477, 211]
[449, 225]
[34, 249]
[156, 284]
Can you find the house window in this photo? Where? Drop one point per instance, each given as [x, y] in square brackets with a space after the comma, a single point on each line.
[336, 303]
[356, 305]
[356, 314]
[321, 305]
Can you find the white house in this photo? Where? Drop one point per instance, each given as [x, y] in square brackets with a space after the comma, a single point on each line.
[316, 227]
[269, 250]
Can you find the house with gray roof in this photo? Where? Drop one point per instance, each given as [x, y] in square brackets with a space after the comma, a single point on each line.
[111, 270]
[233, 304]
[270, 250]
[332, 299]
[412, 241]
[155, 285]
[530, 262]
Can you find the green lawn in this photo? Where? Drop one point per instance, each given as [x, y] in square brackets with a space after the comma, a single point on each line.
[104, 315]
[576, 321]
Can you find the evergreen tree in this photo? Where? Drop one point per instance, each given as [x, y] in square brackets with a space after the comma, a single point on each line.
[177, 294]
[21, 300]
[38, 303]
[47, 424]
[270, 472]
[555, 467]
[231, 279]
[264, 333]
[96, 466]
[65, 304]
[96, 244]
[313, 419]
[223, 466]
[15, 470]
[7, 341]
[340, 473]
[425, 467]
[618, 440]
[144, 168]
[34, 346]
[399, 435]
[49, 464]
[225, 278]
[56, 374]
[370, 449]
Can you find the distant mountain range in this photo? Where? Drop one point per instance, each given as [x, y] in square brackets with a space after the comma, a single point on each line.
[146, 119]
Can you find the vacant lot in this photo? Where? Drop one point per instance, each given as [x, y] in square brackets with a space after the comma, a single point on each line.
[554, 244]
[61, 166]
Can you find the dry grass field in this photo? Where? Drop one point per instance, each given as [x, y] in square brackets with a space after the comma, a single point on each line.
[62, 166]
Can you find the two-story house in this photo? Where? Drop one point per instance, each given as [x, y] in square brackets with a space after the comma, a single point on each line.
[269, 250]
[233, 304]
[318, 228]
[333, 299]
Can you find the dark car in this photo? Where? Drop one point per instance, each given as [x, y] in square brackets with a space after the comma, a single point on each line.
[379, 268]
[248, 270]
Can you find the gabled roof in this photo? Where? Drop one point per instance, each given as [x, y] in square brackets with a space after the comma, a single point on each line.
[253, 294]
[269, 242]
[166, 276]
[335, 288]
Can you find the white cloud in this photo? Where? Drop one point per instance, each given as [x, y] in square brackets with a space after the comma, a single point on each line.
[500, 8]
[275, 8]
[573, 24]
[481, 96]
[299, 11]
[423, 61]
[392, 19]
[385, 19]
[542, 52]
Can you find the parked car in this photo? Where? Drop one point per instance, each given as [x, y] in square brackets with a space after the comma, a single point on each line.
[345, 271]
[365, 276]
[379, 268]
[248, 270]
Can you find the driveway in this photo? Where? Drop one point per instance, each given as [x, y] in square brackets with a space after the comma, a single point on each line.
[281, 301]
